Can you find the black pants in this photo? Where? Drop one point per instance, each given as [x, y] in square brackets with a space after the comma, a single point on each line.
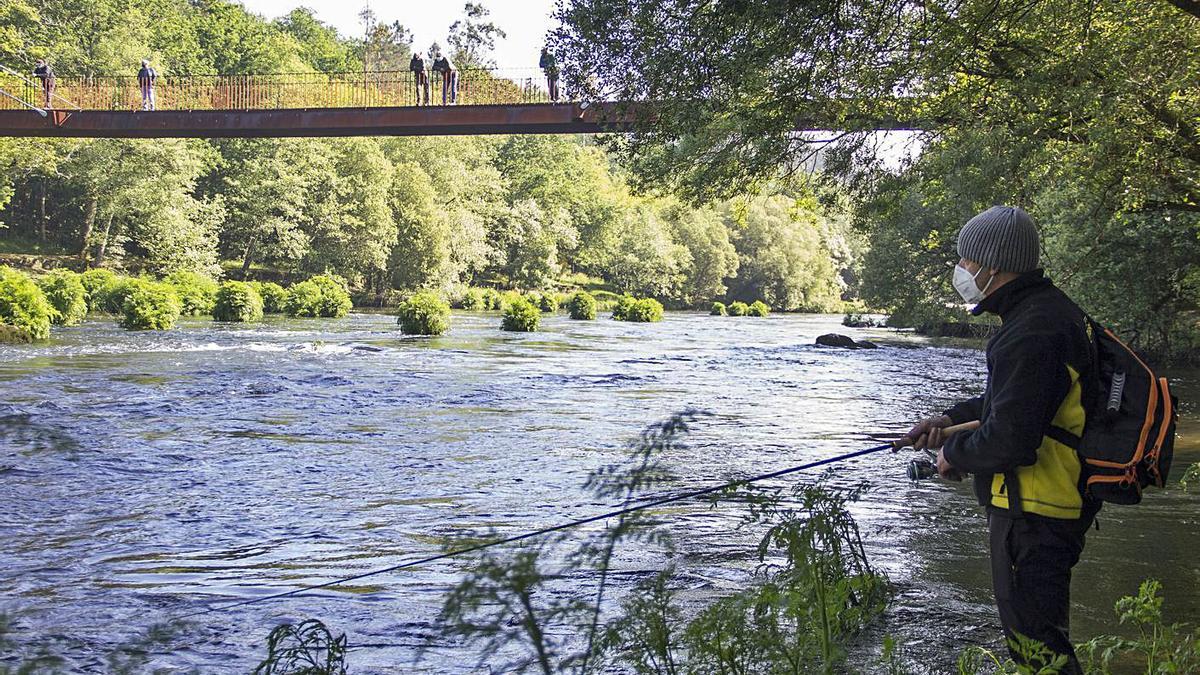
[1032, 559]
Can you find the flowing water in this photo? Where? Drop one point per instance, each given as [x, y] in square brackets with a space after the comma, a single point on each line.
[147, 475]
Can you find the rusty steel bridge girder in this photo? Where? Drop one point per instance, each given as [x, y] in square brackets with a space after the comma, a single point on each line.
[543, 118]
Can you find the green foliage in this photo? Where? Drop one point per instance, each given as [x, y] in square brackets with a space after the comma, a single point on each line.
[621, 309]
[273, 295]
[237, 301]
[320, 296]
[547, 303]
[719, 309]
[308, 648]
[197, 292]
[582, 306]
[738, 308]
[758, 308]
[149, 305]
[643, 310]
[24, 307]
[1034, 659]
[111, 297]
[493, 300]
[66, 294]
[94, 282]
[1162, 648]
[520, 315]
[1192, 474]
[424, 314]
[472, 300]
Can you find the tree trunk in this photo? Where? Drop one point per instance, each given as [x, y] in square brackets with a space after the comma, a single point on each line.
[248, 259]
[104, 241]
[89, 219]
[42, 212]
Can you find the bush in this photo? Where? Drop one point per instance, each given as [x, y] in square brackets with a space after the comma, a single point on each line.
[237, 301]
[274, 297]
[738, 309]
[548, 303]
[23, 307]
[149, 305]
[66, 295]
[520, 315]
[197, 293]
[473, 300]
[758, 308]
[94, 282]
[718, 309]
[321, 296]
[622, 306]
[492, 299]
[424, 314]
[646, 310]
[111, 298]
[582, 306]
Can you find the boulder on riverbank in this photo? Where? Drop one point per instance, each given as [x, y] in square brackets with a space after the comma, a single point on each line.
[844, 342]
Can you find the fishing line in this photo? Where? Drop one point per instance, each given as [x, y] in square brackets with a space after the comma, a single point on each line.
[556, 528]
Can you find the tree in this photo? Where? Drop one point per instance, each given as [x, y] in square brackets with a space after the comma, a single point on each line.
[319, 43]
[710, 258]
[473, 37]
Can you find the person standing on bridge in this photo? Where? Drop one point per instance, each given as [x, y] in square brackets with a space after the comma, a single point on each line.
[549, 65]
[45, 73]
[420, 77]
[146, 79]
[445, 66]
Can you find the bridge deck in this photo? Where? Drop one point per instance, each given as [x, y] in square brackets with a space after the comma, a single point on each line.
[545, 118]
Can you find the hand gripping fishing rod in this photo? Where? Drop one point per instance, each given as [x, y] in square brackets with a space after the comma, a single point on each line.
[896, 445]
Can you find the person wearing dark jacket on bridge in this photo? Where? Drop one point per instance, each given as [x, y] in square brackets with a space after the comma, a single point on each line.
[45, 73]
[420, 77]
[549, 65]
[442, 64]
[147, 78]
[1039, 363]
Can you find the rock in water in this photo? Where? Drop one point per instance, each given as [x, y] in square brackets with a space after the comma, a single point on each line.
[866, 344]
[845, 342]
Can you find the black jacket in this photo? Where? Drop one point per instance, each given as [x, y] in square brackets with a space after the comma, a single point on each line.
[1042, 332]
[417, 64]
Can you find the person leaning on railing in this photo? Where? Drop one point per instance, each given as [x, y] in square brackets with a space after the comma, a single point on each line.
[45, 73]
[420, 77]
[442, 64]
[549, 65]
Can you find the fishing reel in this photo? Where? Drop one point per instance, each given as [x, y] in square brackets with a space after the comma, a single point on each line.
[921, 469]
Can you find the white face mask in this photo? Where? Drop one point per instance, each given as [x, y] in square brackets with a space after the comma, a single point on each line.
[964, 283]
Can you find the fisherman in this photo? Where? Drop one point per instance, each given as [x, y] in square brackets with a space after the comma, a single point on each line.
[146, 78]
[1039, 363]
[549, 66]
[420, 77]
[45, 73]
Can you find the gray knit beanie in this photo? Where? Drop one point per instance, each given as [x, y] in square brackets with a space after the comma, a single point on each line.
[1003, 238]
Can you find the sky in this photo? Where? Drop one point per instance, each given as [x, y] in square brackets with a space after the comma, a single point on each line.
[525, 21]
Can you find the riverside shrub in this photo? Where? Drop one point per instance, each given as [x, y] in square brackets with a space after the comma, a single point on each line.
[718, 309]
[66, 295]
[621, 309]
[582, 306]
[520, 315]
[24, 308]
[197, 292]
[321, 296]
[149, 305]
[237, 301]
[273, 295]
[94, 281]
[758, 308]
[738, 309]
[473, 300]
[645, 310]
[493, 300]
[548, 303]
[424, 314]
[111, 297]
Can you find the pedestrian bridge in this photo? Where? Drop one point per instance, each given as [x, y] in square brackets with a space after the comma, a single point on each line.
[488, 101]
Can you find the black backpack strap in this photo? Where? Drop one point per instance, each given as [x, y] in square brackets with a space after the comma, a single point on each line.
[1013, 487]
[1065, 437]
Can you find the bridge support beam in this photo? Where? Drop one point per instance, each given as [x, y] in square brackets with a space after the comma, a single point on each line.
[409, 121]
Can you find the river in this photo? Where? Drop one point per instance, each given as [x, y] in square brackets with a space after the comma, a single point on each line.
[147, 475]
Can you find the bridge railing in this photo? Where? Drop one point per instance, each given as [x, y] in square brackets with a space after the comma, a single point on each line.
[286, 90]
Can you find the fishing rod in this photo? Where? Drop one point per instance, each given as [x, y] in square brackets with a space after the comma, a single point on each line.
[891, 445]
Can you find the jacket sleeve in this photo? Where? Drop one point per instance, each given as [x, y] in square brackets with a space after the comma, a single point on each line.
[1029, 381]
[965, 411]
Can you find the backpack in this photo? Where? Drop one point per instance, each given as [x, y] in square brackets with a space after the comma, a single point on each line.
[1129, 437]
